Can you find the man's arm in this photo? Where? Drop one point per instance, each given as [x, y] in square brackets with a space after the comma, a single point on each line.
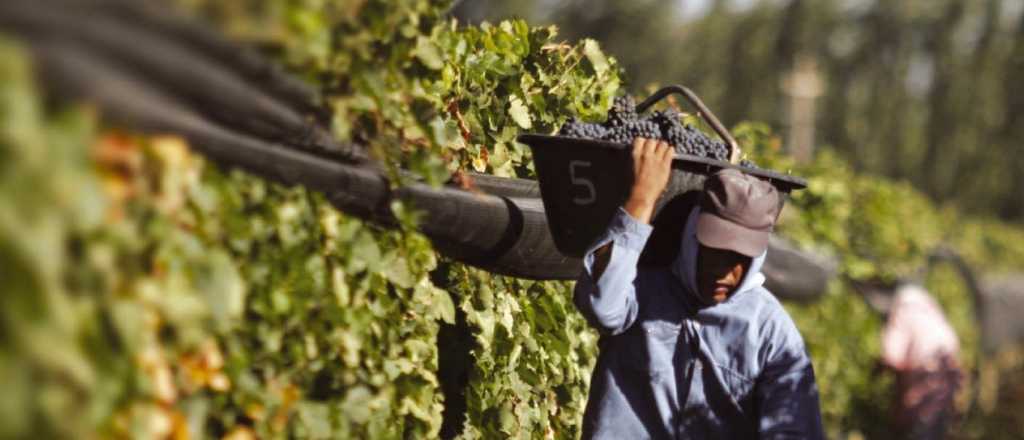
[787, 393]
[604, 292]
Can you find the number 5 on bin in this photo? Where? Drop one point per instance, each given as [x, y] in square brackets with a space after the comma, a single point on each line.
[582, 182]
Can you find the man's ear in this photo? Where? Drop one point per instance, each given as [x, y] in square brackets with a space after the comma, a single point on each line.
[743, 267]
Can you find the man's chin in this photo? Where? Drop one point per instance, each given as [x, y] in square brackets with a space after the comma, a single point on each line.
[713, 297]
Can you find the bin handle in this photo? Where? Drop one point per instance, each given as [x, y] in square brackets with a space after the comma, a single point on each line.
[702, 110]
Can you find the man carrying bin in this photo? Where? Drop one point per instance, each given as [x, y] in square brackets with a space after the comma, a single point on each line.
[698, 349]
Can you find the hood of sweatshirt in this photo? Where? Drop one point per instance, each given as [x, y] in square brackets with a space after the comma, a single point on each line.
[685, 267]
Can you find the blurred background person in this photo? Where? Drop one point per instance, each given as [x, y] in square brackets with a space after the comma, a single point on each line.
[920, 347]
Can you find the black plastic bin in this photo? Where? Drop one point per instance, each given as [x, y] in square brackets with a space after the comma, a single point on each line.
[583, 182]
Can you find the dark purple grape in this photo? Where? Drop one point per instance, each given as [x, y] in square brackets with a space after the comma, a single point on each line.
[624, 125]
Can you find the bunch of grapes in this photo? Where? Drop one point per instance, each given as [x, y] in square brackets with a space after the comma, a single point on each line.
[624, 125]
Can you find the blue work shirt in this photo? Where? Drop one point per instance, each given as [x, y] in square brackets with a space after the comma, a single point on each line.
[672, 366]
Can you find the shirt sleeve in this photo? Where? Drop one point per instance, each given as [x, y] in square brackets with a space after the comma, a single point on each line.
[787, 392]
[609, 303]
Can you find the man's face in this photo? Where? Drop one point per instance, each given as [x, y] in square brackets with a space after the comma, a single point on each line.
[719, 272]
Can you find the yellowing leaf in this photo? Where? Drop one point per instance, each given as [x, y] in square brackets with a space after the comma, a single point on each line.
[428, 53]
[479, 164]
[593, 53]
[519, 113]
[444, 306]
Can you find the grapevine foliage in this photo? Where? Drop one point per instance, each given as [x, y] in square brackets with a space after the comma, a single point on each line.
[232, 306]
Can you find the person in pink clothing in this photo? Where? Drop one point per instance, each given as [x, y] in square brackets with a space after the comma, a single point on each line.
[920, 346]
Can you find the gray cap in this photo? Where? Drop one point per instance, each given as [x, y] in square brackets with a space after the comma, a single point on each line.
[738, 212]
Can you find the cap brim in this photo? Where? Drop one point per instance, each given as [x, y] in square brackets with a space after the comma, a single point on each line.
[719, 233]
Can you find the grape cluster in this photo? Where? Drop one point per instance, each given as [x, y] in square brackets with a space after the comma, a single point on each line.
[624, 125]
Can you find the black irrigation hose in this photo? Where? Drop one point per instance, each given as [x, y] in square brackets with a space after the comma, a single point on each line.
[795, 275]
[160, 18]
[534, 250]
[75, 71]
[210, 87]
[791, 274]
[469, 227]
[245, 61]
[945, 254]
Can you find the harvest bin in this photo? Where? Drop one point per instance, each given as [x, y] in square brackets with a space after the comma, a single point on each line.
[584, 181]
